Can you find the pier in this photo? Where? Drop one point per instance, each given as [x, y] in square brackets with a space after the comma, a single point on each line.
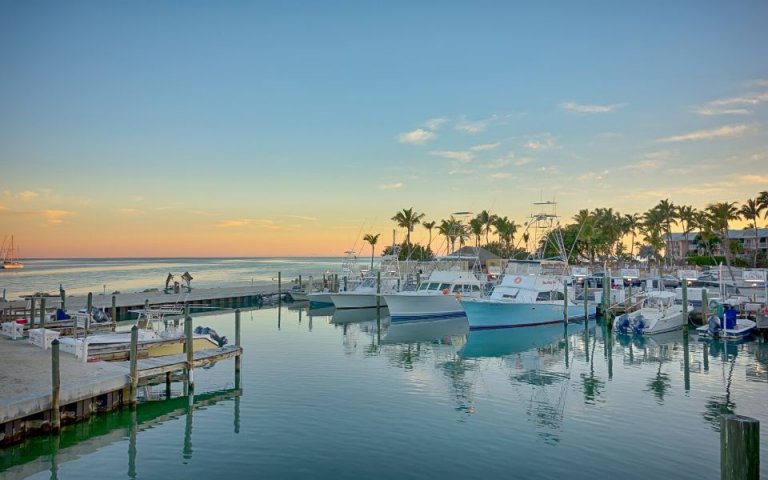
[43, 389]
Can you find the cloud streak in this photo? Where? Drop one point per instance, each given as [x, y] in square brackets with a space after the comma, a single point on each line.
[419, 136]
[726, 131]
[589, 108]
[458, 155]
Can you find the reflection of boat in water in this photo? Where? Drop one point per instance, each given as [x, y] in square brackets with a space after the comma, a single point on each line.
[356, 315]
[447, 331]
[499, 342]
[324, 311]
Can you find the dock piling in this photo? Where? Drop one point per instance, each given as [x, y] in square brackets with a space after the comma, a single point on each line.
[42, 313]
[114, 312]
[739, 447]
[134, 365]
[55, 387]
[32, 311]
[190, 350]
[237, 343]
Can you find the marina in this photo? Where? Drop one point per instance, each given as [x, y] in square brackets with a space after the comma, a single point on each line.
[314, 381]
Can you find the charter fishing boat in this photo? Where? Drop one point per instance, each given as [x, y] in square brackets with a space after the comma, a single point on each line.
[530, 293]
[437, 297]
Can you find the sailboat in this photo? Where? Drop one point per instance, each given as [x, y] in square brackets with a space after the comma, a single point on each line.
[10, 261]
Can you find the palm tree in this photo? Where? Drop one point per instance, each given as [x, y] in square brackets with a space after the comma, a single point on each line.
[585, 221]
[668, 215]
[721, 214]
[506, 230]
[407, 219]
[476, 228]
[372, 240]
[751, 211]
[687, 216]
[429, 226]
[632, 226]
[653, 230]
[486, 220]
[450, 229]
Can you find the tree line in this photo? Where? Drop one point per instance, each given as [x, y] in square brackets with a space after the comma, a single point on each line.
[599, 235]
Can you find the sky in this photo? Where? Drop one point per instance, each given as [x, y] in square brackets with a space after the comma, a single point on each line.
[273, 128]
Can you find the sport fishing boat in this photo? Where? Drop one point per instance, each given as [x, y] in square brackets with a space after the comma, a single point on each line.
[658, 313]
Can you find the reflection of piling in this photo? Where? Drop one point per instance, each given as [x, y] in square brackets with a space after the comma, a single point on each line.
[685, 311]
[55, 387]
[739, 447]
[565, 304]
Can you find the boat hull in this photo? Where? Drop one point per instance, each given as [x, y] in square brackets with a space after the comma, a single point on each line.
[417, 307]
[485, 314]
[320, 299]
[357, 300]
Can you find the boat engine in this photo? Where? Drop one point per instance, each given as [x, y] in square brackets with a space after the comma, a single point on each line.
[713, 326]
[638, 325]
[200, 330]
[622, 324]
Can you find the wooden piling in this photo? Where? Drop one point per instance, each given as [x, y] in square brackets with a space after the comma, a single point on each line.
[565, 303]
[237, 340]
[134, 365]
[114, 312]
[55, 387]
[32, 312]
[739, 447]
[705, 306]
[42, 313]
[378, 291]
[279, 288]
[63, 295]
[685, 310]
[190, 350]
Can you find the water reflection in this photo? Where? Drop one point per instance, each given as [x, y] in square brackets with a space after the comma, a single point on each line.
[43, 453]
[718, 405]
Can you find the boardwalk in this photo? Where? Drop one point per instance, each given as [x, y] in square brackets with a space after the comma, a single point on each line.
[86, 388]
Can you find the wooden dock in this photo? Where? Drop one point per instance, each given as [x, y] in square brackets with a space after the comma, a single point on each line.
[43, 389]
[119, 305]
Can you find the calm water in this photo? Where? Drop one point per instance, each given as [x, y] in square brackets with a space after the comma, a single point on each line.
[339, 395]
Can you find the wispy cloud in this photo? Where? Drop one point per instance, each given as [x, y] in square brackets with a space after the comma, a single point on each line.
[593, 176]
[749, 99]
[419, 136]
[247, 222]
[435, 123]
[390, 186]
[726, 131]
[129, 211]
[523, 161]
[301, 217]
[738, 105]
[459, 155]
[55, 217]
[589, 108]
[753, 179]
[541, 142]
[712, 111]
[478, 126]
[500, 176]
[27, 195]
[484, 146]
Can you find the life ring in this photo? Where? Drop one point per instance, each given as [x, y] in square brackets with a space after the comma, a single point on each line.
[518, 279]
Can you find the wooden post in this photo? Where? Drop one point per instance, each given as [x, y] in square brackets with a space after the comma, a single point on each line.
[63, 295]
[705, 306]
[300, 282]
[237, 344]
[134, 365]
[114, 312]
[56, 387]
[739, 447]
[565, 302]
[378, 290]
[32, 312]
[190, 354]
[586, 297]
[685, 309]
[606, 300]
[279, 286]
[42, 313]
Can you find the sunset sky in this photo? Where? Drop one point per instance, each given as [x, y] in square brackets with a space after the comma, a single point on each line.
[294, 128]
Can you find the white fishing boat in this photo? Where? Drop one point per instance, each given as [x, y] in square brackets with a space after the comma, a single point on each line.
[530, 293]
[437, 297]
[384, 280]
[10, 257]
[658, 313]
[160, 332]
